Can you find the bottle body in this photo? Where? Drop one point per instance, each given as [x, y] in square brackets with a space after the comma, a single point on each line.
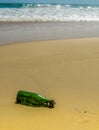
[33, 99]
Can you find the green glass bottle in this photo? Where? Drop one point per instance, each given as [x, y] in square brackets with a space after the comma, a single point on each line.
[33, 99]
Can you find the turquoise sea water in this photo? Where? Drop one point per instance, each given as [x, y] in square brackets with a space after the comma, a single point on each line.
[48, 12]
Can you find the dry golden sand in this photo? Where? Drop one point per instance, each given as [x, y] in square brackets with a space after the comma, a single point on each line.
[65, 70]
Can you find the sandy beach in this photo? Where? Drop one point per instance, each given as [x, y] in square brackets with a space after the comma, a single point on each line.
[64, 70]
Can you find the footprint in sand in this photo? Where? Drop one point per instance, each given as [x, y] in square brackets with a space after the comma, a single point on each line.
[83, 116]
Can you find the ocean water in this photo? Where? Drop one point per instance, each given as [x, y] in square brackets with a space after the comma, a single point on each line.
[48, 12]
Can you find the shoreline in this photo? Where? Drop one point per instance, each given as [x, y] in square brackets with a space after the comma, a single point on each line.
[58, 60]
[14, 32]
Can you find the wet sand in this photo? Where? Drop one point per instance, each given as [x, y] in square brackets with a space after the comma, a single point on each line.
[64, 70]
[14, 32]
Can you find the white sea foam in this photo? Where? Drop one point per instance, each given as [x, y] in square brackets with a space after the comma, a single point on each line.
[47, 12]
